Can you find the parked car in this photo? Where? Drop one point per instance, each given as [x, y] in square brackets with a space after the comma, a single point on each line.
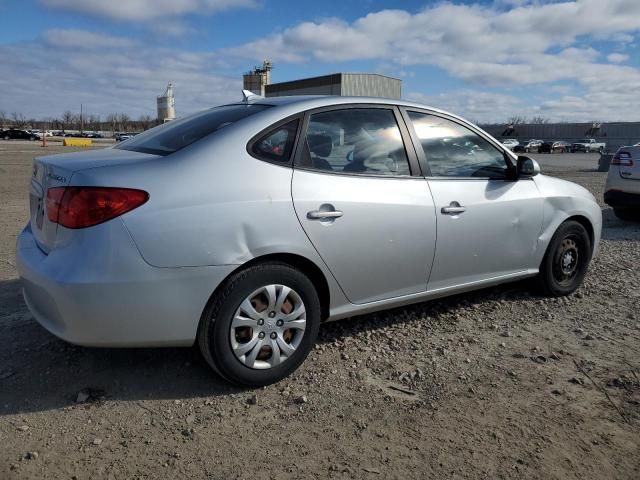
[121, 137]
[510, 143]
[622, 190]
[15, 134]
[561, 147]
[532, 145]
[38, 134]
[545, 147]
[588, 145]
[520, 148]
[244, 227]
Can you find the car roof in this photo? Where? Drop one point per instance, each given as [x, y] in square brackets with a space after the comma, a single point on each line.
[306, 102]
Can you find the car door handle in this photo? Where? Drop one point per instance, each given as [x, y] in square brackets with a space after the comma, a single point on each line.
[454, 208]
[322, 215]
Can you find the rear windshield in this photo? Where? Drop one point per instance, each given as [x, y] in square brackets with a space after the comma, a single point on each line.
[173, 136]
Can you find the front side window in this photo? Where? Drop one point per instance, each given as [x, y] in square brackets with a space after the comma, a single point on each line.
[177, 134]
[455, 151]
[355, 141]
[277, 144]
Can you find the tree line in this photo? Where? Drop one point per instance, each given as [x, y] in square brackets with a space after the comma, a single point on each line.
[113, 122]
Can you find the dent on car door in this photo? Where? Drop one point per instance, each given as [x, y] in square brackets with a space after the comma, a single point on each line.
[371, 221]
[488, 224]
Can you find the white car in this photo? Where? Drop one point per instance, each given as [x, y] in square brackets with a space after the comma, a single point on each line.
[622, 190]
[532, 145]
[510, 143]
[38, 134]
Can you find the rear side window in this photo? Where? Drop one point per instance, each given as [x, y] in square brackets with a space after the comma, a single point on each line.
[277, 144]
[173, 136]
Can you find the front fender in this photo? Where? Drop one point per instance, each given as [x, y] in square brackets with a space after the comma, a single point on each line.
[562, 201]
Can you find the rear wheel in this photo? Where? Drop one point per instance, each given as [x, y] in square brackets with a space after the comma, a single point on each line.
[566, 261]
[261, 325]
[628, 214]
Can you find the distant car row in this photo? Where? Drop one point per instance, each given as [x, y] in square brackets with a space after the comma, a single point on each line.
[585, 145]
[20, 134]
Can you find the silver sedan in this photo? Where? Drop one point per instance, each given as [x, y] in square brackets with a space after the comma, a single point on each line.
[246, 226]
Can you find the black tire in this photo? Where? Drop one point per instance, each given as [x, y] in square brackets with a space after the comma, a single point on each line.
[627, 214]
[215, 325]
[571, 237]
[6, 137]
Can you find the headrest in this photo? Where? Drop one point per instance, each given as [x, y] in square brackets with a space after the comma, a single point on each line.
[320, 145]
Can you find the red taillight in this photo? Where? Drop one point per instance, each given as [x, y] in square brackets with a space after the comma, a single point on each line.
[623, 159]
[80, 207]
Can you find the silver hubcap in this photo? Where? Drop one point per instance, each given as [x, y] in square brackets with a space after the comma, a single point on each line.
[268, 326]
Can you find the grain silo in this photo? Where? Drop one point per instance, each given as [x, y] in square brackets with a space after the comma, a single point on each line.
[256, 80]
[167, 105]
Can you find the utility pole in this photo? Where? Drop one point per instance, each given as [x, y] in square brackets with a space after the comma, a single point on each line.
[81, 120]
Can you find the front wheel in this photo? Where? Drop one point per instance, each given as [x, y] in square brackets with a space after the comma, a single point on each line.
[261, 325]
[566, 260]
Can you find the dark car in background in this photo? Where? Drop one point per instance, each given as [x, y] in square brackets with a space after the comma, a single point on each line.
[16, 134]
[545, 147]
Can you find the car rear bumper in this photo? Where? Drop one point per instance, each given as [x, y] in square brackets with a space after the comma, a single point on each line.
[108, 296]
[617, 198]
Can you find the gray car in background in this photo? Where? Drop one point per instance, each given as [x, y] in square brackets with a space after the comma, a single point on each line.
[245, 226]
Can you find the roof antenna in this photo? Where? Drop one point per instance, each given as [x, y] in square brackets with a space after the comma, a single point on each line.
[248, 95]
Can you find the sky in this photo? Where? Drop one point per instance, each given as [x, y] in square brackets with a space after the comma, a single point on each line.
[485, 60]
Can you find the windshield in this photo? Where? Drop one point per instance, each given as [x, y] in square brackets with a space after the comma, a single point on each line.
[173, 136]
[585, 140]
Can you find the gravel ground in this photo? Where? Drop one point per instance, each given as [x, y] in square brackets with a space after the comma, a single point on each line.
[498, 383]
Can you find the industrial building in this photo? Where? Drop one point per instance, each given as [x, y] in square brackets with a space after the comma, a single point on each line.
[166, 105]
[258, 81]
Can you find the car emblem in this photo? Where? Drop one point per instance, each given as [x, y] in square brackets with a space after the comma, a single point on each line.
[57, 177]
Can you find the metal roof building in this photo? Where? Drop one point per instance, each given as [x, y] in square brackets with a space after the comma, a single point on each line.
[344, 84]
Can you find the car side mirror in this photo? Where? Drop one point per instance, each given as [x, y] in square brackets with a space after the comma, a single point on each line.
[527, 167]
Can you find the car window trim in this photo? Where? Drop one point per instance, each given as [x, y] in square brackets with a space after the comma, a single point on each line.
[424, 162]
[271, 129]
[414, 166]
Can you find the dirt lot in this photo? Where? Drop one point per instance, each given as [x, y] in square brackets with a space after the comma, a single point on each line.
[494, 384]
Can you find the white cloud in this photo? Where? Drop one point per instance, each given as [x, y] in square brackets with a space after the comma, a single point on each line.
[617, 57]
[476, 106]
[83, 39]
[533, 43]
[45, 79]
[142, 10]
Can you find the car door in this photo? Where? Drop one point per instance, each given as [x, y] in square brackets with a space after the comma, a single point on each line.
[488, 222]
[363, 203]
